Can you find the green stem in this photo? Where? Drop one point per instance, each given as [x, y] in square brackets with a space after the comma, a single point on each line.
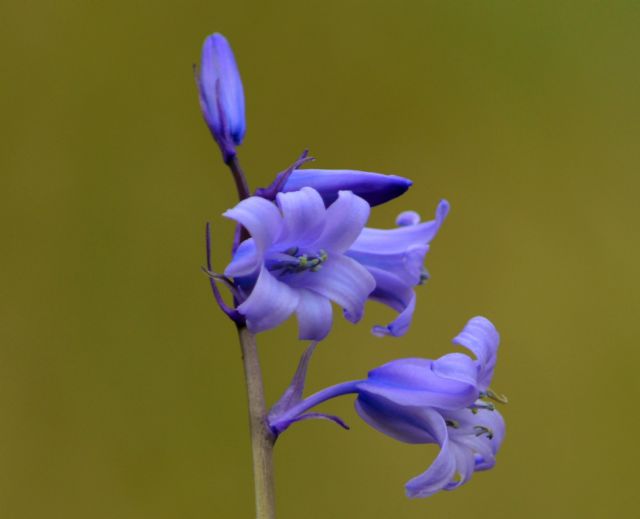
[262, 439]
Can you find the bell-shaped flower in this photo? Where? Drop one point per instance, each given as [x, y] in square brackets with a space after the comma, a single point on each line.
[445, 402]
[295, 261]
[442, 402]
[468, 439]
[395, 258]
[221, 94]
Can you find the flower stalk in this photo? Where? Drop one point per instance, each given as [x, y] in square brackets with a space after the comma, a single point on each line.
[262, 439]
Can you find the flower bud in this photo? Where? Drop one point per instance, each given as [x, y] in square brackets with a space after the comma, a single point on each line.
[221, 94]
[375, 188]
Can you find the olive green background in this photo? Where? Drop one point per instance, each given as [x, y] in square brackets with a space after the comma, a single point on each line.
[121, 391]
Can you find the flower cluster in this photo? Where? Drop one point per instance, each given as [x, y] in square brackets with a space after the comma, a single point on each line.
[302, 244]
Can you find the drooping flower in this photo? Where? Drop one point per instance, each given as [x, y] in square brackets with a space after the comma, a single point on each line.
[395, 258]
[445, 401]
[221, 94]
[295, 261]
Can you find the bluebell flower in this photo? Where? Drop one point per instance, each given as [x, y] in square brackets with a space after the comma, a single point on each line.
[395, 258]
[446, 401]
[221, 94]
[295, 261]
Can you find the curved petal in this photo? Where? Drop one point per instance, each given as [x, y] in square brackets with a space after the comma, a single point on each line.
[344, 222]
[413, 382]
[341, 280]
[400, 325]
[375, 188]
[457, 366]
[314, 316]
[395, 293]
[465, 463]
[400, 239]
[443, 469]
[481, 337]
[303, 216]
[269, 304]
[406, 265]
[245, 261]
[398, 422]
[260, 217]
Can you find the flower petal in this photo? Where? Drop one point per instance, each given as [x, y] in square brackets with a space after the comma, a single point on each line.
[341, 280]
[245, 261]
[303, 216]
[443, 469]
[260, 217]
[315, 316]
[398, 422]
[413, 382]
[400, 239]
[373, 187]
[482, 338]
[400, 325]
[344, 222]
[269, 304]
[457, 366]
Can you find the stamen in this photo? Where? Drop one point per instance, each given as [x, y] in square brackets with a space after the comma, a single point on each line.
[481, 429]
[488, 406]
[496, 397]
[289, 262]
[452, 423]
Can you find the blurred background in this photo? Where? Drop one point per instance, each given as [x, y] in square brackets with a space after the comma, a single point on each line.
[121, 389]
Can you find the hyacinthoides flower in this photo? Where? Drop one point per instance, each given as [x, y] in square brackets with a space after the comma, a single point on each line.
[301, 246]
[445, 401]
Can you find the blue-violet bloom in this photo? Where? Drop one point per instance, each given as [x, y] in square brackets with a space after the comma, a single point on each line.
[395, 258]
[295, 261]
[221, 94]
[445, 401]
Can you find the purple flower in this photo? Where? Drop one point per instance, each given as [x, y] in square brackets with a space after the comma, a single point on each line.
[375, 188]
[295, 261]
[221, 94]
[444, 402]
[395, 258]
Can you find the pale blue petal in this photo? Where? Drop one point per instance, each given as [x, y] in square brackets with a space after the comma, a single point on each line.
[401, 324]
[245, 261]
[400, 239]
[457, 366]
[303, 215]
[314, 316]
[342, 280]
[260, 217]
[413, 382]
[345, 220]
[407, 218]
[269, 304]
[465, 463]
[482, 338]
[398, 422]
[443, 469]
